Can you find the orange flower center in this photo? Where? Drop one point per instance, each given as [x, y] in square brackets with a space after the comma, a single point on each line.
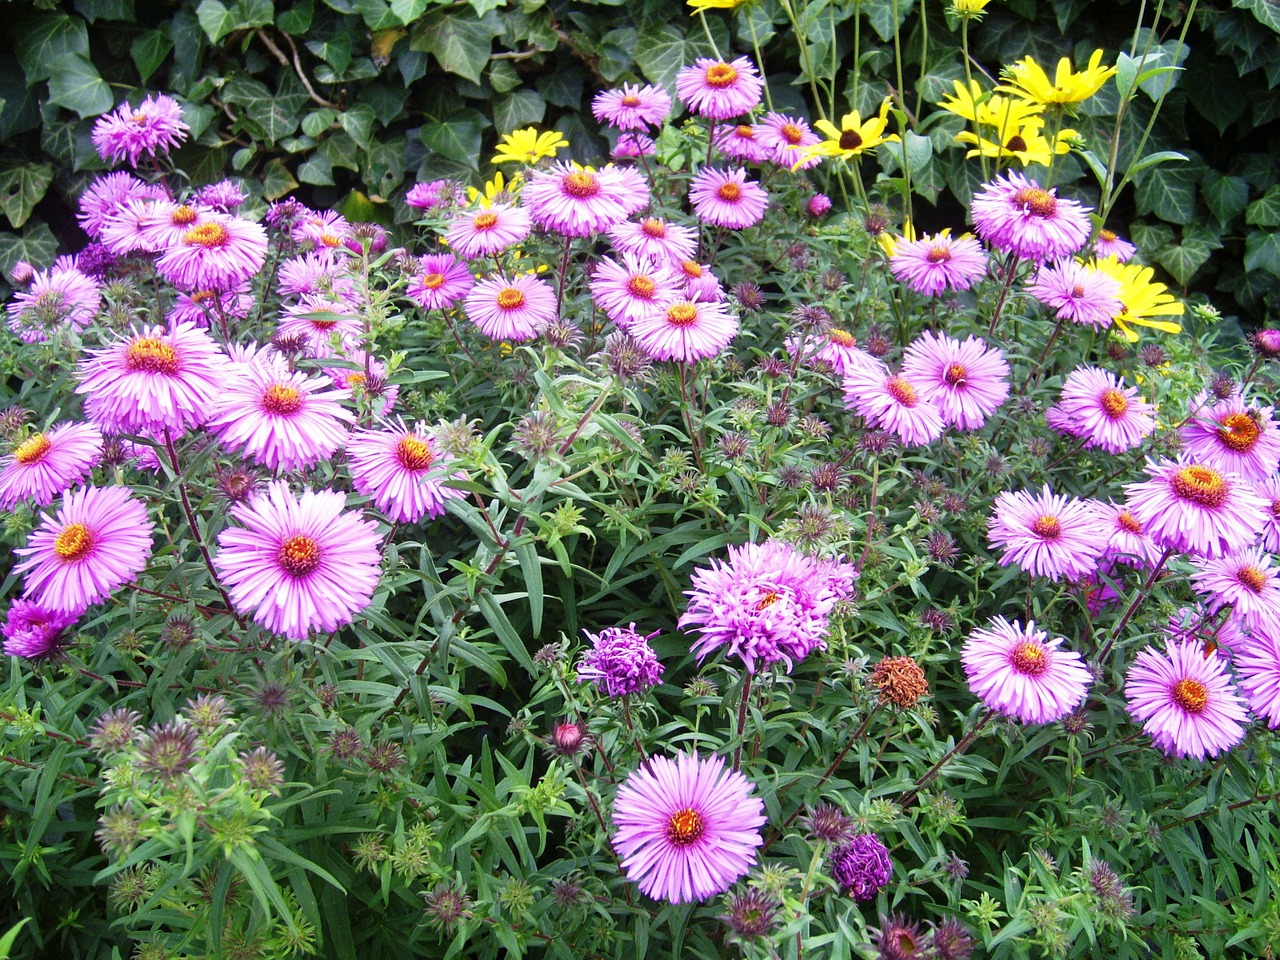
[1030, 657]
[641, 287]
[1077, 292]
[330, 240]
[32, 449]
[1114, 403]
[299, 555]
[902, 391]
[653, 228]
[1275, 509]
[850, 140]
[1039, 202]
[791, 133]
[73, 543]
[1047, 527]
[509, 298]
[1191, 695]
[1107, 236]
[581, 184]
[1252, 578]
[745, 131]
[281, 399]
[686, 827]
[414, 454]
[485, 221]
[1129, 522]
[1200, 485]
[631, 100]
[691, 269]
[955, 375]
[432, 281]
[681, 314]
[1239, 431]
[183, 215]
[768, 600]
[355, 379]
[323, 325]
[729, 192]
[151, 355]
[720, 75]
[203, 296]
[207, 235]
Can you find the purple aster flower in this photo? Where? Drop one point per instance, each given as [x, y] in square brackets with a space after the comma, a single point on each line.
[327, 229]
[33, 632]
[1194, 508]
[154, 380]
[1047, 534]
[152, 226]
[151, 129]
[782, 138]
[320, 271]
[654, 238]
[403, 470]
[21, 273]
[967, 381]
[685, 330]
[321, 322]
[1126, 541]
[297, 564]
[1110, 244]
[1269, 491]
[628, 290]
[1078, 292]
[726, 198]
[620, 661]
[511, 309]
[1016, 214]
[861, 865]
[218, 254]
[892, 402]
[768, 604]
[632, 107]
[203, 306]
[1247, 582]
[819, 206]
[1019, 672]
[1185, 701]
[225, 195]
[109, 195]
[372, 236]
[428, 196]
[938, 262]
[719, 90]
[741, 143]
[441, 281]
[699, 281]
[631, 146]
[488, 231]
[573, 201]
[99, 539]
[686, 829]
[283, 419]
[96, 261]
[56, 299]
[1258, 672]
[1233, 436]
[45, 464]
[1097, 407]
[838, 349]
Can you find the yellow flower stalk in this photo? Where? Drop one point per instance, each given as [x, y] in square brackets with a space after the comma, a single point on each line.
[1141, 299]
[852, 138]
[1026, 78]
[1027, 145]
[528, 146]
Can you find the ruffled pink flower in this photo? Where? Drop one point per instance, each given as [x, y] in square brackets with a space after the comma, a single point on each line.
[1109, 244]
[1047, 534]
[203, 307]
[1018, 215]
[783, 138]
[966, 380]
[632, 107]
[892, 402]
[33, 632]
[936, 263]
[839, 350]
[1097, 407]
[1258, 672]
[45, 464]
[319, 271]
[1247, 582]
[151, 129]
[628, 290]
[488, 231]
[107, 196]
[719, 90]
[1020, 672]
[441, 281]
[153, 226]
[726, 198]
[685, 330]
[1185, 701]
[511, 309]
[741, 143]
[55, 299]
[1126, 541]
[1078, 292]
[402, 470]
[574, 201]
[654, 238]
[700, 283]
[324, 325]
[1234, 436]
[218, 254]
[1194, 508]
[1269, 491]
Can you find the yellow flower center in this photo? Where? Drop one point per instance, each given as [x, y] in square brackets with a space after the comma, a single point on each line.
[902, 391]
[720, 75]
[842, 337]
[581, 184]
[1106, 236]
[151, 355]
[691, 269]
[1239, 431]
[73, 543]
[1114, 403]
[1201, 485]
[1252, 578]
[686, 827]
[207, 235]
[745, 131]
[183, 215]
[651, 227]
[630, 100]
[509, 298]
[768, 600]
[791, 133]
[203, 296]
[1129, 522]
[485, 221]
[1191, 695]
[1039, 202]
[681, 314]
[729, 192]
[641, 287]
[939, 255]
[414, 454]
[299, 555]
[955, 375]
[432, 281]
[33, 449]
[281, 399]
[1030, 658]
[1047, 527]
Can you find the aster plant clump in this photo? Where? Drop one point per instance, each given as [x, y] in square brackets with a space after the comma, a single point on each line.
[671, 551]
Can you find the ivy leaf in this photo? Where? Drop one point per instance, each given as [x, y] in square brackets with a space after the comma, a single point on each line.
[43, 43]
[215, 19]
[77, 85]
[1265, 211]
[461, 43]
[880, 14]
[663, 50]
[148, 51]
[457, 138]
[517, 109]
[94, 10]
[277, 180]
[1226, 196]
[1262, 252]
[21, 187]
[297, 19]
[268, 116]
[1184, 261]
[408, 10]
[1266, 11]
[1170, 194]
[358, 122]
[36, 245]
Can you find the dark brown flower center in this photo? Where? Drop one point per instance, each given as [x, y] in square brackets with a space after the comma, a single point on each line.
[73, 543]
[686, 827]
[1030, 658]
[850, 140]
[414, 454]
[33, 449]
[1016, 144]
[151, 355]
[1191, 695]
[299, 555]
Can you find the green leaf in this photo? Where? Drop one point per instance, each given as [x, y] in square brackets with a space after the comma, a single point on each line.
[881, 14]
[21, 188]
[37, 245]
[1262, 252]
[408, 10]
[1184, 261]
[276, 180]
[10, 938]
[511, 111]
[663, 50]
[1225, 196]
[1170, 194]
[460, 42]
[94, 10]
[358, 122]
[1216, 91]
[78, 86]
[1265, 211]
[255, 13]
[458, 138]
[266, 115]
[1267, 11]
[296, 20]
[43, 43]
[149, 51]
[215, 19]
[918, 151]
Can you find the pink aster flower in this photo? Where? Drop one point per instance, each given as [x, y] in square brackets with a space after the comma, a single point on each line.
[632, 146]
[654, 238]
[488, 231]
[45, 464]
[1016, 214]
[225, 195]
[323, 324]
[1097, 407]
[1247, 582]
[204, 306]
[99, 539]
[700, 283]
[1126, 542]
[1078, 292]
[632, 107]
[320, 271]
[107, 196]
[1194, 508]
[839, 350]
[219, 254]
[620, 661]
[768, 604]
[511, 309]
[151, 129]
[573, 201]
[892, 402]
[685, 330]
[282, 419]
[154, 380]
[719, 90]
[741, 143]
[403, 471]
[1269, 491]
[326, 229]
[936, 263]
[967, 381]
[1019, 672]
[56, 299]
[1109, 244]
[298, 564]
[1048, 535]
[441, 281]
[1185, 701]
[726, 198]
[1258, 673]
[782, 138]
[33, 632]
[628, 290]
[428, 196]
[1234, 436]
[686, 829]
[153, 225]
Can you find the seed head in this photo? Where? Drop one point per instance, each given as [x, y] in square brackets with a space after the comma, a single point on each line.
[446, 907]
[624, 357]
[827, 822]
[114, 730]
[261, 770]
[178, 631]
[750, 915]
[168, 751]
[345, 744]
[749, 296]
[207, 712]
[1153, 355]
[900, 681]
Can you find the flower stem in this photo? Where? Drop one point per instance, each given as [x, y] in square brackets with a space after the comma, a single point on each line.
[1133, 604]
[955, 751]
[742, 720]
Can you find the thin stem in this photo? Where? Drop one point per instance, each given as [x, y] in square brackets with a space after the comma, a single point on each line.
[742, 720]
[955, 751]
[1010, 272]
[1133, 604]
[710, 39]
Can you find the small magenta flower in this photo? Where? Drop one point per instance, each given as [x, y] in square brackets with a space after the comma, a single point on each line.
[719, 90]
[1111, 244]
[488, 231]
[632, 107]
[1100, 409]
[1048, 534]
[1233, 435]
[219, 254]
[1185, 700]
[1019, 672]
[620, 661]
[892, 402]
[33, 632]
[45, 464]
[939, 262]
[1018, 215]
[685, 330]
[403, 470]
[151, 129]
[966, 380]
[726, 198]
[653, 237]
[575, 201]
[862, 866]
[511, 309]
[440, 282]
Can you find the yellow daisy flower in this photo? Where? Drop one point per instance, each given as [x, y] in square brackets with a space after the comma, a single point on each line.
[1026, 78]
[1026, 144]
[1141, 298]
[700, 5]
[889, 242]
[528, 146]
[991, 109]
[854, 136]
[972, 9]
[495, 188]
